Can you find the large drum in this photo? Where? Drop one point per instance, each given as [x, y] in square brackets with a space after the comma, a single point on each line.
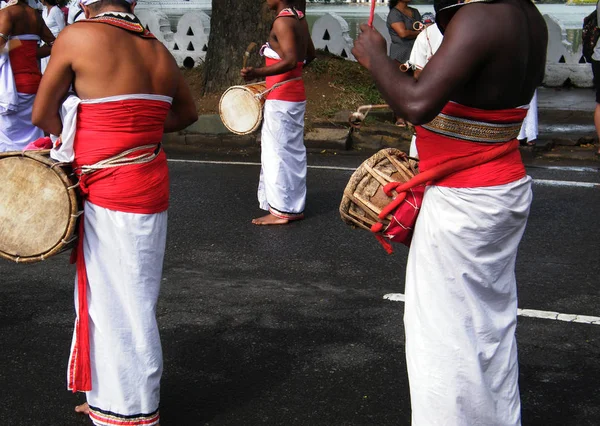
[364, 198]
[241, 108]
[39, 207]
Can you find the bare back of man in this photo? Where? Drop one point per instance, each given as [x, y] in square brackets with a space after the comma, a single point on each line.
[20, 19]
[492, 66]
[120, 63]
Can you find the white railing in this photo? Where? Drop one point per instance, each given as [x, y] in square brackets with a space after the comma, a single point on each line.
[331, 32]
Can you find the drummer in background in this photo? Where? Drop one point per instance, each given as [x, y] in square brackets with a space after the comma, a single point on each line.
[460, 314]
[21, 28]
[129, 91]
[282, 185]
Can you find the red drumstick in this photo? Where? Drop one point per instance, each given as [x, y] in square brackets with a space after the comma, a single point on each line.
[372, 16]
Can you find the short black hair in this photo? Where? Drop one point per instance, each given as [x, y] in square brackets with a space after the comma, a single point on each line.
[96, 7]
[392, 3]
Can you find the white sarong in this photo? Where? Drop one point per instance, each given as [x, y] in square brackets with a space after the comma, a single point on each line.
[124, 259]
[461, 305]
[282, 185]
[124, 255]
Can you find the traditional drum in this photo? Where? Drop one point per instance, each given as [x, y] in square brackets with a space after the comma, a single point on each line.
[241, 107]
[365, 203]
[39, 207]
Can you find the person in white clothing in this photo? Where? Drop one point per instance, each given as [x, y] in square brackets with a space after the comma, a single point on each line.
[35, 4]
[75, 13]
[427, 43]
[55, 21]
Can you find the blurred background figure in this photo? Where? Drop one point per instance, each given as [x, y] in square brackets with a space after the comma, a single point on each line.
[400, 23]
[35, 4]
[75, 12]
[55, 20]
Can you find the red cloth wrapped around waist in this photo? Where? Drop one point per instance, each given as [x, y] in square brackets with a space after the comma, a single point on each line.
[292, 91]
[472, 131]
[24, 64]
[108, 129]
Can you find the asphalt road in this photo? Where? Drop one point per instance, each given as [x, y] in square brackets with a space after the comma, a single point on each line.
[289, 326]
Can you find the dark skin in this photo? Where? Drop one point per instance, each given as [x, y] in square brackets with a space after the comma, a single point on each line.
[21, 19]
[290, 38]
[399, 27]
[120, 63]
[482, 63]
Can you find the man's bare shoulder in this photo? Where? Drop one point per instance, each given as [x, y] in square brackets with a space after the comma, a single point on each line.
[284, 23]
[465, 28]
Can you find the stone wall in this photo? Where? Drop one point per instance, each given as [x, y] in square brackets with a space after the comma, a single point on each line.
[331, 33]
[189, 43]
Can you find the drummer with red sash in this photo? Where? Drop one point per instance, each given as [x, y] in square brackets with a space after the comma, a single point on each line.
[21, 29]
[461, 297]
[282, 185]
[129, 91]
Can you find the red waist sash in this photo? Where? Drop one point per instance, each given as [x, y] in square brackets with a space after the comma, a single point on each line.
[108, 129]
[292, 91]
[460, 132]
[24, 64]
[103, 131]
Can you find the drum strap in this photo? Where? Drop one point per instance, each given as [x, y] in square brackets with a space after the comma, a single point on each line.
[275, 86]
[122, 159]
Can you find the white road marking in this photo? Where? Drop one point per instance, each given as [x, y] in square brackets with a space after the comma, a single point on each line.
[543, 182]
[567, 168]
[549, 182]
[529, 313]
[241, 163]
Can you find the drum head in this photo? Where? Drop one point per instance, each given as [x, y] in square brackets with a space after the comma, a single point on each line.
[240, 109]
[35, 210]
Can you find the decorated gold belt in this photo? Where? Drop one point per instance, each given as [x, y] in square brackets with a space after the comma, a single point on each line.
[474, 131]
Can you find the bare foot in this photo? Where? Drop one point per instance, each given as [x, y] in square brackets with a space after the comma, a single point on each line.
[83, 409]
[269, 220]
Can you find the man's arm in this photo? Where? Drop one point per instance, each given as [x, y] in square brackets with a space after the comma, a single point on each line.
[55, 85]
[464, 50]
[183, 112]
[284, 31]
[404, 32]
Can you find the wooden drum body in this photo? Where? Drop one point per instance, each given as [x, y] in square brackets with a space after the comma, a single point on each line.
[241, 108]
[364, 198]
[39, 208]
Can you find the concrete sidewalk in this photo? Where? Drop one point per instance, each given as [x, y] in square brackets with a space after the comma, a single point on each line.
[565, 115]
